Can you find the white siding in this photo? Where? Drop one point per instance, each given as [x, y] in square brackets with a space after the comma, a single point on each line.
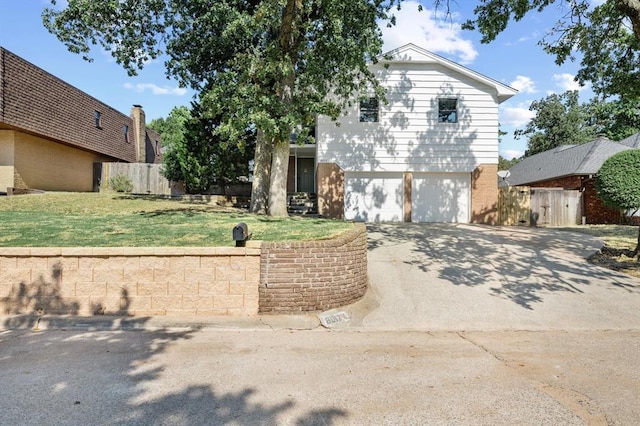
[408, 136]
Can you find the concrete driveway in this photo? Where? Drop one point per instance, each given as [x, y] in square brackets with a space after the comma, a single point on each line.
[469, 277]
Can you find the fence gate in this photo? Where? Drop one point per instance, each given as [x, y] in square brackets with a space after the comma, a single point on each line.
[514, 206]
[555, 207]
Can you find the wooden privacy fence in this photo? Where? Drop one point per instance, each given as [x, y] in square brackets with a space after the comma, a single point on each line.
[146, 177]
[514, 205]
[555, 207]
[520, 205]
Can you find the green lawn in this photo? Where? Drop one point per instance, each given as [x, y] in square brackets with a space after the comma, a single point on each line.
[614, 236]
[58, 219]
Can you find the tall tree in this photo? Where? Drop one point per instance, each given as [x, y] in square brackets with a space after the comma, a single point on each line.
[607, 37]
[171, 128]
[272, 63]
[615, 119]
[559, 120]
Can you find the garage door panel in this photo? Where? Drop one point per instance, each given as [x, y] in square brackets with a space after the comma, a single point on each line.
[373, 197]
[440, 197]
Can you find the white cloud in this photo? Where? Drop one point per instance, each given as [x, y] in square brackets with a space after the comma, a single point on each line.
[431, 30]
[515, 116]
[566, 82]
[524, 84]
[511, 153]
[155, 89]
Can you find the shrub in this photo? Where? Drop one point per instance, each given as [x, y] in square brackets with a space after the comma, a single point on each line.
[121, 183]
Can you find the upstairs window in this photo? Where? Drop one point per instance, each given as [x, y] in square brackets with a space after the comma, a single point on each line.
[447, 110]
[125, 130]
[96, 118]
[369, 110]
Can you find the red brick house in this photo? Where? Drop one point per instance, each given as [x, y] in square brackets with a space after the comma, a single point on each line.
[573, 167]
[52, 134]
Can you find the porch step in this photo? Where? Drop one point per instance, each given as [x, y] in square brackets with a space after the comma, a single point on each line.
[302, 203]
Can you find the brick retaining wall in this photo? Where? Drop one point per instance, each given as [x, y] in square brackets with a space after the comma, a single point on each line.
[276, 278]
[129, 281]
[311, 276]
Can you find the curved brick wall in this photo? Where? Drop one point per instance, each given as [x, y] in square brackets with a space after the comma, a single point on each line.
[312, 276]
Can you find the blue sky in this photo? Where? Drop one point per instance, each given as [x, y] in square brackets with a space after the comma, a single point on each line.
[514, 58]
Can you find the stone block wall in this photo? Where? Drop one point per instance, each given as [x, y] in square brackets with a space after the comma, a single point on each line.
[310, 276]
[129, 281]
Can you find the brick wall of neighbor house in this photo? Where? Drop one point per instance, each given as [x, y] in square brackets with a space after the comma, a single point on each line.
[130, 281]
[484, 194]
[312, 276]
[595, 211]
[567, 182]
[40, 103]
[330, 188]
[42, 164]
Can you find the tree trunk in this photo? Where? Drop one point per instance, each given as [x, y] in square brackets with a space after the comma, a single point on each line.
[631, 8]
[261, 175]
[637, 249]
[279, 172]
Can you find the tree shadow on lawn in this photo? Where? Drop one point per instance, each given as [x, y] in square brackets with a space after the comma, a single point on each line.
[522, 265]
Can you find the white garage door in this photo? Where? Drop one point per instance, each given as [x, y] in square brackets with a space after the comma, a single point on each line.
[440, 197]
[373, 196]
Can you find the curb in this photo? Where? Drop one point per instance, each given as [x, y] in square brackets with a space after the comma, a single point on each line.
[158, 323]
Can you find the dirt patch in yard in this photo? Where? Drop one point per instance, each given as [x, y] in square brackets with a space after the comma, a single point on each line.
[622, 260]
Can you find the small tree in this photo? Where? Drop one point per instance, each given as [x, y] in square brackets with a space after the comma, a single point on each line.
[618, 183]
[202, 155]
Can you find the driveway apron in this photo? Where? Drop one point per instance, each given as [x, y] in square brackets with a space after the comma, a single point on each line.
[471, 277]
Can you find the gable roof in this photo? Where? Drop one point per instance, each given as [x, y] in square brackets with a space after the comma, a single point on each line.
[412, 53]
[565, 160]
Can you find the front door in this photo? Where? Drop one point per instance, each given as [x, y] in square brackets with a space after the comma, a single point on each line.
[305, 180]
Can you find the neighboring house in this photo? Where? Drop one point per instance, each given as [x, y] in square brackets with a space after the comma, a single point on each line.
[573, 167]
[428, 155]
[52, 134]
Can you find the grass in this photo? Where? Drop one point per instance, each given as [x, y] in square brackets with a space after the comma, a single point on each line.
[614, 236]
[59, 219]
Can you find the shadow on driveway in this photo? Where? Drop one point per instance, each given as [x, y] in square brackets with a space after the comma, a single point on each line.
[526, 266]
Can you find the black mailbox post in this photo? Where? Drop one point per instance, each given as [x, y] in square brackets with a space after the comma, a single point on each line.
[241, 234]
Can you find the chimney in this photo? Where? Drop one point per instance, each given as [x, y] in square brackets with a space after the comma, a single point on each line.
[139, 133]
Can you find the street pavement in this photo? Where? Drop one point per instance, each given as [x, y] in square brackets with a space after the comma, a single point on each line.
[462, 325]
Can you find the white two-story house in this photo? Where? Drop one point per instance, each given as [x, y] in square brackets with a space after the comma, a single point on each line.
[430, 154]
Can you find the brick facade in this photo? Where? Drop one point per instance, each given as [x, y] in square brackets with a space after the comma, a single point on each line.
[330, 184]
[484, 194]
[593, 209]
[39, 163]
[312, 276]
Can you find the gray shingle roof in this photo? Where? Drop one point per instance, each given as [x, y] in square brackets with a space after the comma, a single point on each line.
[633, 141]
[568, 160]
